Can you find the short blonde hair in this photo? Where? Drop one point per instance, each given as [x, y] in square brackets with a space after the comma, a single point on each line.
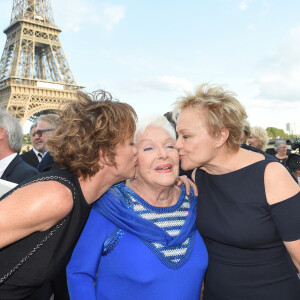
[261, 135]
[221, 110]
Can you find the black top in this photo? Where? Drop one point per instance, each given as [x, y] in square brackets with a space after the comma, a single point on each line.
[53, 255]
[281, 160]
[243, 236]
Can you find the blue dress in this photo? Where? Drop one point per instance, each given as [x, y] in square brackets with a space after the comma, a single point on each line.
[138, 251]
[243, 236]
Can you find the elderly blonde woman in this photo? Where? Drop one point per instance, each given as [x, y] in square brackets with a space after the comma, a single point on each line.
[140, 241]
[248, 218]
[258, 138]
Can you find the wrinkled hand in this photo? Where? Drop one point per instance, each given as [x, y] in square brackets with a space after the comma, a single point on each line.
[187, 183]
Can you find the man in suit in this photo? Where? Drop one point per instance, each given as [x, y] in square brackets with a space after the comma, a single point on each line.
[45, 125]
[32, 157]
[12, 167]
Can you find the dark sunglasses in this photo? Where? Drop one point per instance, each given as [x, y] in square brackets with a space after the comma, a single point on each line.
[39, 133]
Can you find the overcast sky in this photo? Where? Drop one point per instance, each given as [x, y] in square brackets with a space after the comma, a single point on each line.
[147, 53]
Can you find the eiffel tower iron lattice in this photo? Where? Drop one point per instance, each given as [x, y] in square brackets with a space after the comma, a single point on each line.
[34, 73]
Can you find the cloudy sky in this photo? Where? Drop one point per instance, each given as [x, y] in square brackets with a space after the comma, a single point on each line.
[148, 53]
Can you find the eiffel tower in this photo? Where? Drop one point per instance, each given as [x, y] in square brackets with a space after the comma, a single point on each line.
[34, 73]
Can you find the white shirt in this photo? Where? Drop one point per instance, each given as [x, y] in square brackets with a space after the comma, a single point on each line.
[4, 162]
[37, 154]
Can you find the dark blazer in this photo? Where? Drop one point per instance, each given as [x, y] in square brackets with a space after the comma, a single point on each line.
[30, 158]
[46, 163]
[18, 171]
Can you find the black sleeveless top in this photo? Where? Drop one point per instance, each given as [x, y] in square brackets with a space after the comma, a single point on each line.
[49, 258]
[244, 236]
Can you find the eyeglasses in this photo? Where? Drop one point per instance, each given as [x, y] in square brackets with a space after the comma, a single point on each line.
[39, 133]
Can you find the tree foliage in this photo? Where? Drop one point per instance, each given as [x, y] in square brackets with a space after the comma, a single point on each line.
[26, 139]
[276, 133]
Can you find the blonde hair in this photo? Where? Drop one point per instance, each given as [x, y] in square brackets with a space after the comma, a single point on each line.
[261, 135]
[221, 110]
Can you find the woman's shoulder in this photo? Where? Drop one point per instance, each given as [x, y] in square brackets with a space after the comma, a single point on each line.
[279, 183]
[241, 162]
[51, 192]
[96, 215]
[252, 159]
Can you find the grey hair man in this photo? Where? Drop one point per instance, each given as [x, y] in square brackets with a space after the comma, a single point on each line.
[45, 125]
[12, 167]
[33, 156]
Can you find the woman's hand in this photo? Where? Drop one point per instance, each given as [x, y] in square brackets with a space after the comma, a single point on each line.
[187, 183]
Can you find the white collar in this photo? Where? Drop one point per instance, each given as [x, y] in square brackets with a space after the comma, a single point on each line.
[4, 162]
[37, 154]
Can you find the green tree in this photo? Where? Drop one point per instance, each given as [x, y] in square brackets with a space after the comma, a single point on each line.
[26, 143]
[26, 139]
[276, 133]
